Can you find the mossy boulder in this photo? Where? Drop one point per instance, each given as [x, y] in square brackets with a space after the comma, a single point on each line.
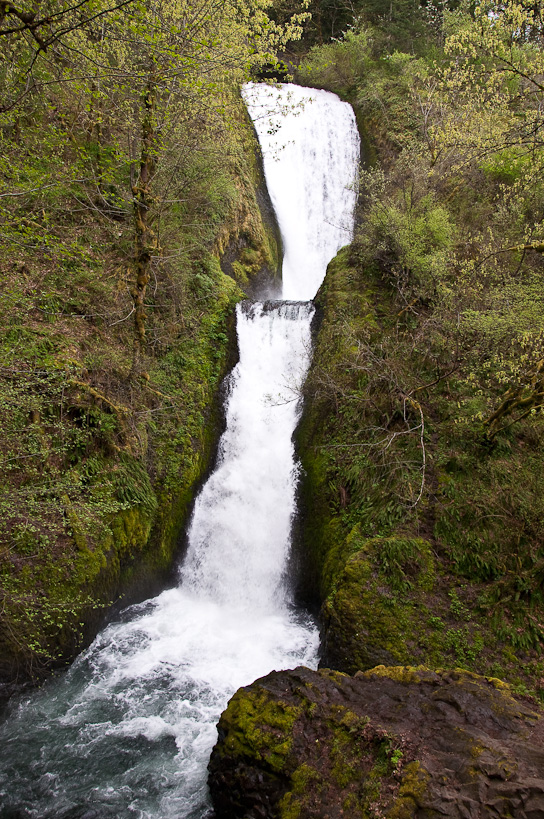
[393, 742]
[373, 613]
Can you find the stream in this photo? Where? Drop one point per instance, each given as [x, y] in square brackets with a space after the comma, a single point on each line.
[127, 731]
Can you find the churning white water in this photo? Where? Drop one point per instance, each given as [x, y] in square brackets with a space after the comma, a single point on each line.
[128, 729]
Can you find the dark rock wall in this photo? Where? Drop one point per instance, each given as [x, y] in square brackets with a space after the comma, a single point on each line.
[394, 742]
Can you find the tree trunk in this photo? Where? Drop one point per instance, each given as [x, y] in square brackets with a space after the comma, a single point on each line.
[522, 399]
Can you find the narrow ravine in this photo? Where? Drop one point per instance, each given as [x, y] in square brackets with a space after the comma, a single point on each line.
[128, 729]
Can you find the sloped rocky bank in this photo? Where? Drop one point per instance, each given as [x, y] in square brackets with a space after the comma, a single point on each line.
[395, 742]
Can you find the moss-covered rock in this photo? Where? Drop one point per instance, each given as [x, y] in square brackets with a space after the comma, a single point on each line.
[394, 742]
[249, 245]
[345, 316]
[372, 615]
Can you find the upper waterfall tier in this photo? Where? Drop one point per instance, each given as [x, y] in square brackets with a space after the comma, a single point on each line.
[310, 164]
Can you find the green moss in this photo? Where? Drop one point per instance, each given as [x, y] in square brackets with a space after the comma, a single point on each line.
[375, 609]
[240, 273]
[403, 674]
[499, 684]
[349, 762]
[259, 727]
[306, 783]
[412, 787]
[77, 532]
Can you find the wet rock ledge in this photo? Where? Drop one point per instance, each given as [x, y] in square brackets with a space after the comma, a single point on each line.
[393, 742]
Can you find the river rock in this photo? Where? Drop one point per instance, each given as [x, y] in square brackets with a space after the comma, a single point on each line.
[395, 742]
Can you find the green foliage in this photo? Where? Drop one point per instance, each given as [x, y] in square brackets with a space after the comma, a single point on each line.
[106, 435]
[425, 395]
[132, 485]
[409, 236]
[506, 166]
[457, 608]
[464, 646]
[404, 562]
[339, 65]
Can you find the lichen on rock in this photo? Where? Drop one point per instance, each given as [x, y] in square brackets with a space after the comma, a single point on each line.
[392, 742]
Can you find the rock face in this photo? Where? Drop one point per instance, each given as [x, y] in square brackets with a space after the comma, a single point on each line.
[365, 623]
[394, 742]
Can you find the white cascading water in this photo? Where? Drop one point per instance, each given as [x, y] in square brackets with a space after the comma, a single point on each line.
[128, 729]
[310, 147]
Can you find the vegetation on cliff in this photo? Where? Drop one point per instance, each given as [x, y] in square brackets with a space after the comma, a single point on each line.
[127, 171]
[422, 440]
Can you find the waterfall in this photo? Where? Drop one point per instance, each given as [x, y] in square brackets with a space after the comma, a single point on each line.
[310, 146]
[128, 729]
